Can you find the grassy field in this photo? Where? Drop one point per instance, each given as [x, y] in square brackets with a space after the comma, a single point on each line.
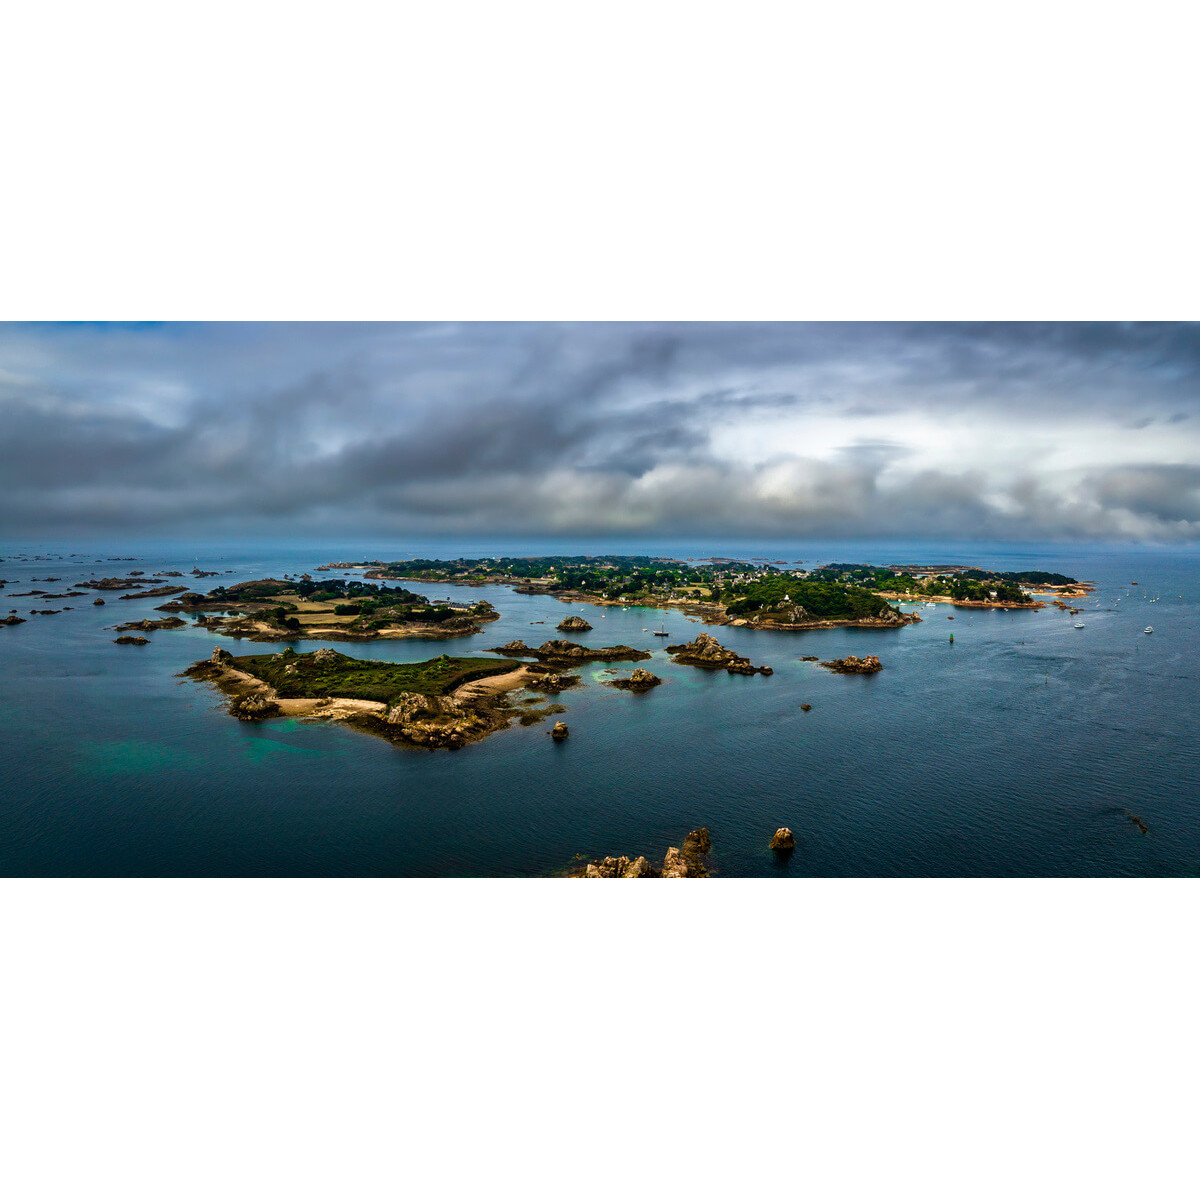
[360, 679]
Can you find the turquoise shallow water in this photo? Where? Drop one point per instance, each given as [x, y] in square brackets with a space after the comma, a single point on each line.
[1015, 751]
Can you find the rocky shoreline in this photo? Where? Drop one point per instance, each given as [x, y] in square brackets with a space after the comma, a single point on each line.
[471, 712]
[689, 861]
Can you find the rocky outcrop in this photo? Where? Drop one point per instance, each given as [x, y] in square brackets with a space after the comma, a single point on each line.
[806, 708]
[254, 707]
[12, 619]
[565, 654]
[573, 625]
[852, 665]
[686, 863]
[435, 722]
[97, 600]
[147, 626]
[110, 584]
[131, 641]
[514, 647]
[640, 681]
[325, 655]
[162, 591]
[708, 653]
[560, 732]
[220, 656]
[545, 679]
[783, 840]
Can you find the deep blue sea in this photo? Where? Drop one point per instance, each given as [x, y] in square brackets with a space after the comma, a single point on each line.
[1017, 750]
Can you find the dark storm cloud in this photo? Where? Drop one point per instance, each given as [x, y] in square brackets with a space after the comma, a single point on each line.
[1000, 431]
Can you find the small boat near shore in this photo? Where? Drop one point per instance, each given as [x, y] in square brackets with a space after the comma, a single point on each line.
[1148, 629]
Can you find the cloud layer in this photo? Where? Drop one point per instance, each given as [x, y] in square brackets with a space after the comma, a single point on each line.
[997, 431]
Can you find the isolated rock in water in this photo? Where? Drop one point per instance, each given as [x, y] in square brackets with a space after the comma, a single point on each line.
[852, 665]
[97, 600]
[640, 681]
[705, 651]
[12, 619]
[131, 641]
[560, 732]
[573, 625]
[806, 708]
[516, 647]
[784, 839]
[220, 656]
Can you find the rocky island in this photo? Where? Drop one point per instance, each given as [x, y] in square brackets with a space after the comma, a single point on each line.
[566, 654]
[442, 703]
[705, 651]
[272, 610]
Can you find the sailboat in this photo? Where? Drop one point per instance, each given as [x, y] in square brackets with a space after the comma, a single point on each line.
[661, 631]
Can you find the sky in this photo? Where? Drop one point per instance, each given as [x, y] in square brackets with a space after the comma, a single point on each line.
[998, 432]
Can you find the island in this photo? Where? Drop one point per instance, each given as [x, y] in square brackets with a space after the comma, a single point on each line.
[272, 610]
[441, 703]
[721, 591]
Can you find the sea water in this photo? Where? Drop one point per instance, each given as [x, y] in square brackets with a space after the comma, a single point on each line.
[1022, 748]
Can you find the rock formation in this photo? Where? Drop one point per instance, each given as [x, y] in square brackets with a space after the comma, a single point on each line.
[97, 600]
[126, 640]
[147, 625]
[685, 863]
[563, 653]
[253, 708]
[852, 665]
[560, 732]
[640, 681]
[573, 625]
[784, 839]
[12, 619]
[707, 652]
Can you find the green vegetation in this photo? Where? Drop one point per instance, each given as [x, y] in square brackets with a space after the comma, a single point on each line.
[824, 600]
[307, 676]
[634, 578]
[972, 584]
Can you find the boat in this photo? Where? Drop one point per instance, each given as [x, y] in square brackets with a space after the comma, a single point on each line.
[1078, 624]
[1148, 629]
[661, 631]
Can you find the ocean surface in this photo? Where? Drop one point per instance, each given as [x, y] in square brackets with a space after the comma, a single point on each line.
[1018, 750]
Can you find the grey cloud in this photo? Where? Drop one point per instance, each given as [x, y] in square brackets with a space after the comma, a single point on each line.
[578, 428]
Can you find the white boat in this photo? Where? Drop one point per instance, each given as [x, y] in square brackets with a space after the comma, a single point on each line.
[1148, 629]
[1078, 624]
